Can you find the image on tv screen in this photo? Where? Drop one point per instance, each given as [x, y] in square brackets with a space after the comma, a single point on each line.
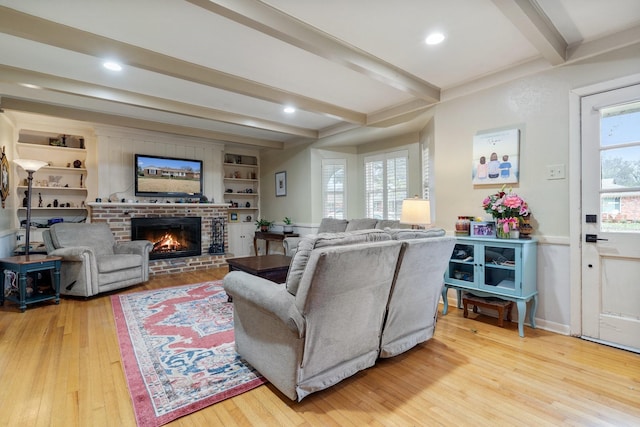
[166, 175]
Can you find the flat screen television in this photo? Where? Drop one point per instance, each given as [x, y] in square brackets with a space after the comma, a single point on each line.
[158, 176]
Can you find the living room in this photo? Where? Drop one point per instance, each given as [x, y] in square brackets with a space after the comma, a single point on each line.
[543, 104]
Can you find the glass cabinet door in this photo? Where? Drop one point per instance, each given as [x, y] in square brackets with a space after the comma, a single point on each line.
[500, 265]
[461, 265]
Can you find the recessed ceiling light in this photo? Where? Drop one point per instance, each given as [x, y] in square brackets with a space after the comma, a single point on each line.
[435, 38]
[289, 110]
[113, 66]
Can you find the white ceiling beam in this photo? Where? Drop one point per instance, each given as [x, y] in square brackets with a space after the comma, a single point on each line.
[74, 87]
[48, 32]
[605, 44]
[264, 18]
[529, 19]
[72, 113]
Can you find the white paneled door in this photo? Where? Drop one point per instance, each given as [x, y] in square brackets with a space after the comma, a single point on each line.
[611, 217]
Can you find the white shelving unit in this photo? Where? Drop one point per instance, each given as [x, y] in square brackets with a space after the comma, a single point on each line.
[241, 190]
[58, 190]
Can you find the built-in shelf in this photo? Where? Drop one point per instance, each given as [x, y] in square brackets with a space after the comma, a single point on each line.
[58, 183]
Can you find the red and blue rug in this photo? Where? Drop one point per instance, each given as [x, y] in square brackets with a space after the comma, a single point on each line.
[177, 348]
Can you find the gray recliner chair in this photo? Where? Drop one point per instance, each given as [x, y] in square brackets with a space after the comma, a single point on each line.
[92, 261]
[324, 324]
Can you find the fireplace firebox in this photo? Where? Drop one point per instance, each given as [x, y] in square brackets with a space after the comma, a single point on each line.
[172, 237]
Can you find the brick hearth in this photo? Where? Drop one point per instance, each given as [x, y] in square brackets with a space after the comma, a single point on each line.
[118, 216]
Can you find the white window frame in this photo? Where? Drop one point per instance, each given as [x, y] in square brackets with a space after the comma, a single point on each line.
[329, 190]
[379, 197]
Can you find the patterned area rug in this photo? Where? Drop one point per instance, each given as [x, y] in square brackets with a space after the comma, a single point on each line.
[177, 347]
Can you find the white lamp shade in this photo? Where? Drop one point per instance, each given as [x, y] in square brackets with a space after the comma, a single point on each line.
[30, 165]
[415, 212]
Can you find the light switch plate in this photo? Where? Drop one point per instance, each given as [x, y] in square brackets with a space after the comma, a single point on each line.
[556, 172]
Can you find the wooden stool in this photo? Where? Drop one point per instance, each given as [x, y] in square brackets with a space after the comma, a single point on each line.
[487, 302]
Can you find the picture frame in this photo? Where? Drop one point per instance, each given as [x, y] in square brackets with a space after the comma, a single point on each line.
[281, 184]
[4, 177]
[486, 229]
[496, 157]
[233, 216]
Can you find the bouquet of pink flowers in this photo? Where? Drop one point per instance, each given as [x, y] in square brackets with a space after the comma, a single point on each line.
[506, 208]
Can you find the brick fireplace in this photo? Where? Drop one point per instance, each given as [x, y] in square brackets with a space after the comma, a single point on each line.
[119, 215]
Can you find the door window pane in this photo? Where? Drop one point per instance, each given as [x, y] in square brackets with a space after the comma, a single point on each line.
[620, 168]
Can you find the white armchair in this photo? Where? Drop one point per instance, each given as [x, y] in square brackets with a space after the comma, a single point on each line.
[92, 261]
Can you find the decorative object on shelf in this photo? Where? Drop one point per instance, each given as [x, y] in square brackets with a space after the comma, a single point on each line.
[4, 177]
[77, 164]
[288, 225]
[281, 184]
[463, 224]
[39, 200]
[525, 227]
[54, 181]
[30, 166]
[247, 205]
[508, 209]
[263, 224]
[233, 216]
[482, 229]
[416, 212]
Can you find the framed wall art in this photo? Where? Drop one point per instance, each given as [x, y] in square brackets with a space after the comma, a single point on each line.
[496, 157]
[281, 184]
[4, 177]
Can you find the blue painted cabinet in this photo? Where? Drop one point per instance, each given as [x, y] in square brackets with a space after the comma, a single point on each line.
[500, 268]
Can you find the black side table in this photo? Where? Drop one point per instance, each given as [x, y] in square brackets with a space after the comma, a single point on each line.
[23, 264]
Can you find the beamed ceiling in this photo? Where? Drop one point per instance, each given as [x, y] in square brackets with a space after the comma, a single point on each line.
[354, 70]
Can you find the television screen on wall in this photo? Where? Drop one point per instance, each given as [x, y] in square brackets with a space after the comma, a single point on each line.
[158, 176]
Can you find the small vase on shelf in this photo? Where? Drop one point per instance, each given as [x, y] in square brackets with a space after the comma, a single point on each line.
[507, 228]
[501, 234]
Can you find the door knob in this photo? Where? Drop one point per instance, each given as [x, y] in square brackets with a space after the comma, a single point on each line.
[593, 238]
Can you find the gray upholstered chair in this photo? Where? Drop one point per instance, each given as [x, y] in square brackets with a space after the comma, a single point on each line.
[324, 324]
[92, 261]
[413, 304]
[332, 225]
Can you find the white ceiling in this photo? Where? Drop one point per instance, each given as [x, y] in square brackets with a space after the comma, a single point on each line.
[356, 70]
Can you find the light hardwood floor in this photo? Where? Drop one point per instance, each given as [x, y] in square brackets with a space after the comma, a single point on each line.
[60, 366]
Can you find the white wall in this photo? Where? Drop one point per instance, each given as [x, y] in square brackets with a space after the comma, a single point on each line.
[116, 147]
[8, 212]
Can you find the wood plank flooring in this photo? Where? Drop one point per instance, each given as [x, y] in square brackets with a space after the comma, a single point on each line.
[60, 366]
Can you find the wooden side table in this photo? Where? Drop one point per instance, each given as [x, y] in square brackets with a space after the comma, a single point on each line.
[23, 264]
[269, 236]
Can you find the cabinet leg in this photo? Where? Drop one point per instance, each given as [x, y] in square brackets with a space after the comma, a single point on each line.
[522, 310]
[532, 313]
[22, 285]
[445, 300]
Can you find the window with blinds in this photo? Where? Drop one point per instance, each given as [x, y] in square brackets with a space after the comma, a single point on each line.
[425, 172]
[385, 184]
[334, 187]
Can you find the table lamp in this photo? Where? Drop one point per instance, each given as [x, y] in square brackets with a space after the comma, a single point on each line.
[30, 166]
[416, 212]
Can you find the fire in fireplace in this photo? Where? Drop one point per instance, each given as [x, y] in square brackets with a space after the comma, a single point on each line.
[172, 237]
